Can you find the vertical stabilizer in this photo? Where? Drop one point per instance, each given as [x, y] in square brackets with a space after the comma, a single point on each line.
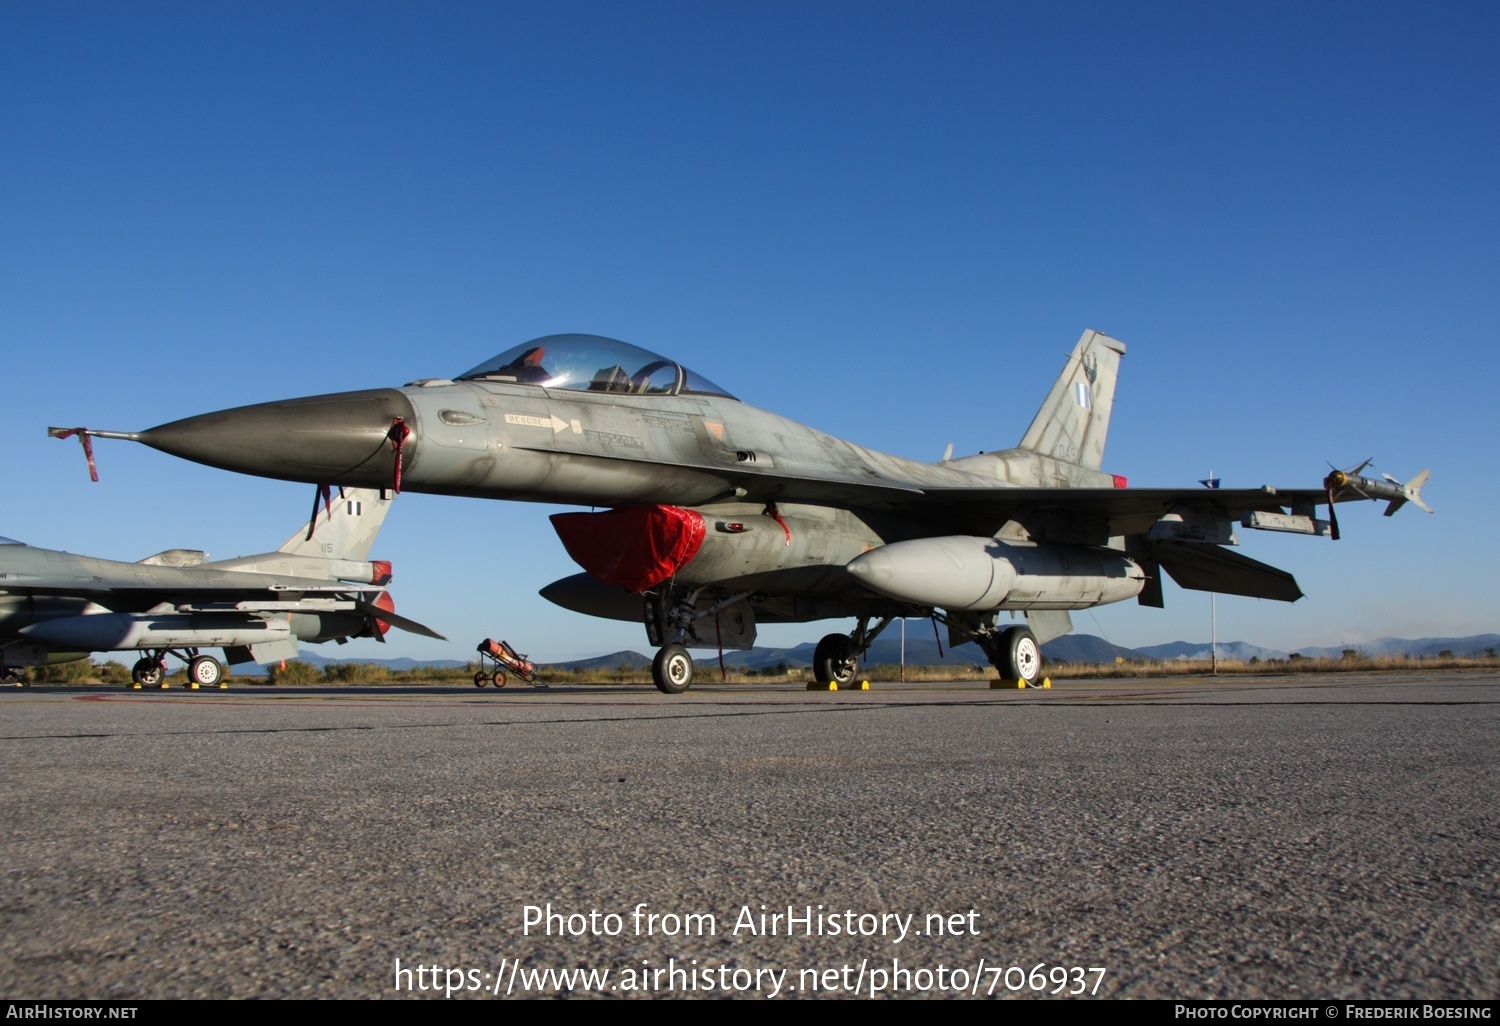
[346, 530]
[1072, 423]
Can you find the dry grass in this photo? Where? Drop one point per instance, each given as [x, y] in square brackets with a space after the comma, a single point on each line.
[1268, 667]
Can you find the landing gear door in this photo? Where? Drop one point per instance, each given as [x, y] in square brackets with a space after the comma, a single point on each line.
[731, 627]
[655, 613]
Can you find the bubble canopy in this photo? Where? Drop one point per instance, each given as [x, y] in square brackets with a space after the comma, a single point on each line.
[593, 363]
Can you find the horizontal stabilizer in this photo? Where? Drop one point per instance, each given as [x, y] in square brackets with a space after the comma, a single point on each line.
[1211, 568]
[397, 620]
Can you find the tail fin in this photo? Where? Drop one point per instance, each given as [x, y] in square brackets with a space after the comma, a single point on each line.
[1073, 421]
[1411, 491]
[347, 530]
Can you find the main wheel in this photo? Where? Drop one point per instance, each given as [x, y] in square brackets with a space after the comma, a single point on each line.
[205, 671]
[834, 660]
[1020, 655]
[148, 672]
[672, 669]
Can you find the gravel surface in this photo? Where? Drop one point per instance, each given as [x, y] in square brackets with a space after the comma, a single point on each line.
[1293, 838]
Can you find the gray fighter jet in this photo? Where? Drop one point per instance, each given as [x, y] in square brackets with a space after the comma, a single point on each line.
[720, 516]
[56, 607]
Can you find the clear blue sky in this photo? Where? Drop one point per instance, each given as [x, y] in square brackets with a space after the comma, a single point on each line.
[890, 221]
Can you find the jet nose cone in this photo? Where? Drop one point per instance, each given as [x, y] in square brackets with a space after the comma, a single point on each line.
[344, 439]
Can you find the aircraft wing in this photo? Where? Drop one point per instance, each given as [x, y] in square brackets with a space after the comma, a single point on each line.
[271, 598]
[985, 510]
[1113, 511]
[103, 589]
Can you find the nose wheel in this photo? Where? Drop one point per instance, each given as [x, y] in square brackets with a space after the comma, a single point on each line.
[672, 670]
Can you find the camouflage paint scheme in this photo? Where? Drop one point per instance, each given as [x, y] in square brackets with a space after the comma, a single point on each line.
[796, 524]
[319, 586]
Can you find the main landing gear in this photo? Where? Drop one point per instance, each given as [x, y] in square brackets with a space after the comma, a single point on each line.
[1015, 654]
[835, 660]
[149, 672]
[1013, 651]
[836, 657]
[203, 671]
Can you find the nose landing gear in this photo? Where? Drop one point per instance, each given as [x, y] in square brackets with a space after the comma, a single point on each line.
[672, 670]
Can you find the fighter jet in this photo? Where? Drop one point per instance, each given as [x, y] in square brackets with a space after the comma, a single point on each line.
[56, 607]
[719, 516]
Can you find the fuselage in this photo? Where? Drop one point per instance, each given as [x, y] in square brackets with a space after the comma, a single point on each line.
[537, 444]
[595, 422]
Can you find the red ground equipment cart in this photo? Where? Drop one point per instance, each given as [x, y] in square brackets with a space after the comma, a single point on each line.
[495, 658]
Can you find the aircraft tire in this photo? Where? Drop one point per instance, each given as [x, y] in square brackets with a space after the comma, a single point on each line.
[205, 671]
[1020, 655]
[147, 672]
[672, 670]
[835, 661]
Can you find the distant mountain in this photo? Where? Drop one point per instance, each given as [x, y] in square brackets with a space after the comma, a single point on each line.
[1070, 648]
[628, 660]
[403, 663]
[1085, 648]
[1421, 648]
[1204, 650]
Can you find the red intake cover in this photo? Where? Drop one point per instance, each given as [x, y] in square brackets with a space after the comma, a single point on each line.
[636, 547]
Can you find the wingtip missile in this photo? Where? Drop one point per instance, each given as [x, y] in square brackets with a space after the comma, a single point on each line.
[1341, 483]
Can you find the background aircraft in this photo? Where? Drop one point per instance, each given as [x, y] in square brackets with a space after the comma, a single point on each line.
[57, 607]
[720, 515]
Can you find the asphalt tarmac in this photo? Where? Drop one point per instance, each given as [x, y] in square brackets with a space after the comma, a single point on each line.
[1301, 837]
